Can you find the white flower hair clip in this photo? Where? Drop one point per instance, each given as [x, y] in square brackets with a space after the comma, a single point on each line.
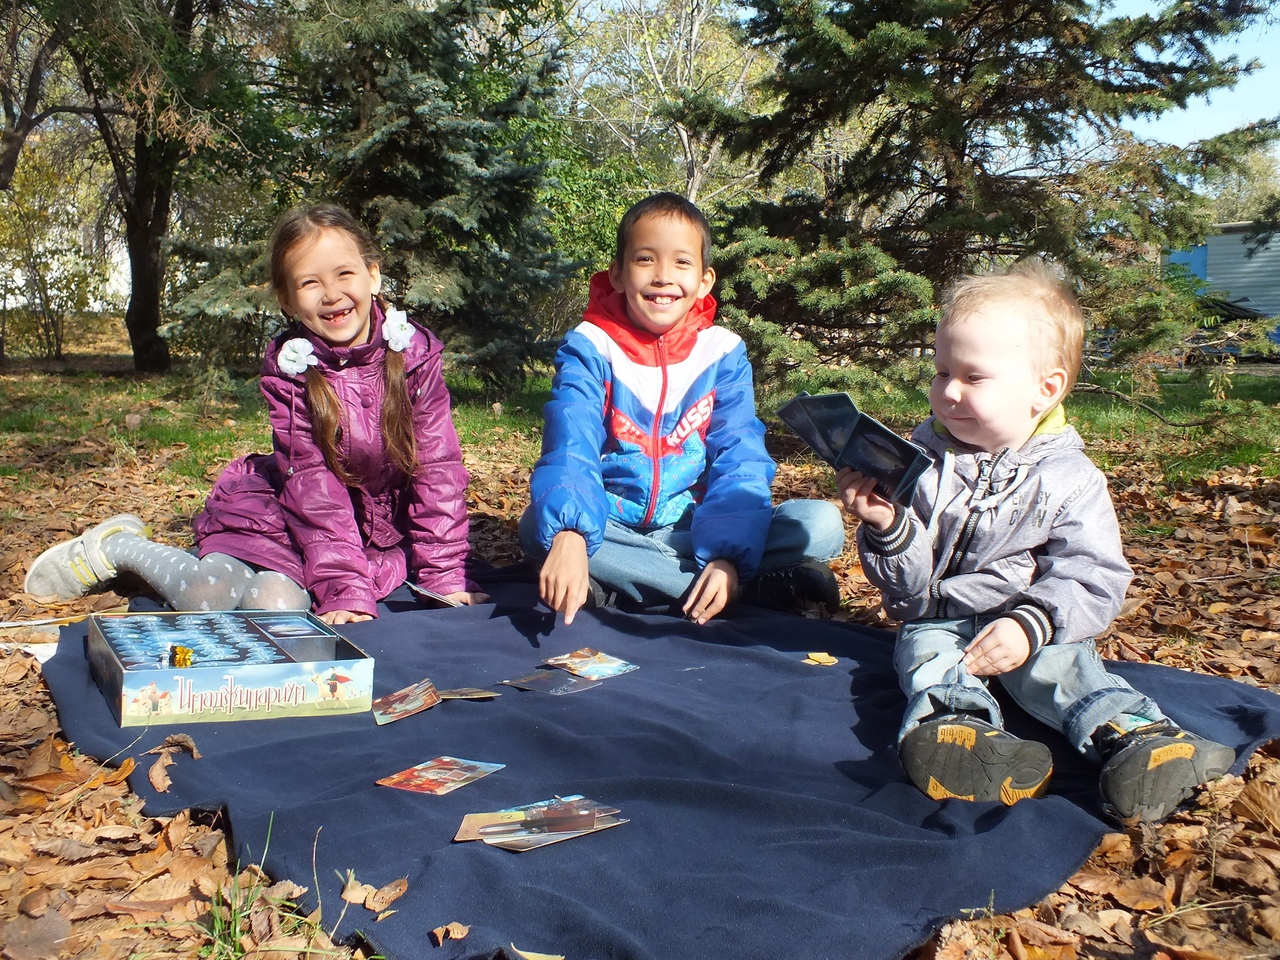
[397, 330]
[296, 355]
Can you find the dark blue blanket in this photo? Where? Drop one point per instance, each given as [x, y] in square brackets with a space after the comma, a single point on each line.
[769, 816]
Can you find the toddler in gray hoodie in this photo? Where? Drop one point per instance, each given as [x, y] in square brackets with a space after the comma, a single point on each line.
[1008, 564]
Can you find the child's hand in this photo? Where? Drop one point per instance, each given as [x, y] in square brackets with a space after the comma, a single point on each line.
[712, 591]
[335, 617]
[857, 493]
[562, 583]
[1001, 646]
[467, 598]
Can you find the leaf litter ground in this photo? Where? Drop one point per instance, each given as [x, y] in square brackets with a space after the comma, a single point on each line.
[86, 873]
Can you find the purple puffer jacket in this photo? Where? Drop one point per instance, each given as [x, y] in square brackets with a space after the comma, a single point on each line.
[349, 546]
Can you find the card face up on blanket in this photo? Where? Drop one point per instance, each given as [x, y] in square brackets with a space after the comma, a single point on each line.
[841, 434]
[156, 668]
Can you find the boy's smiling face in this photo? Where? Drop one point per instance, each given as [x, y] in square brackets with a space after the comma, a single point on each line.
[989, 390]
[661, 276]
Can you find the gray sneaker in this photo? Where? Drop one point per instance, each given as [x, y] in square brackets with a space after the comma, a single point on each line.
[1149, 770]
[75, 567]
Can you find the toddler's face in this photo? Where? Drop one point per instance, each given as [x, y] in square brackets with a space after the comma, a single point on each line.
[329, 288]
[661, 275]
[989, 390]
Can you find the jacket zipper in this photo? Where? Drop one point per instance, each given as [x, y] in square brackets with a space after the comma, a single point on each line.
[986, 470]
[660, 347]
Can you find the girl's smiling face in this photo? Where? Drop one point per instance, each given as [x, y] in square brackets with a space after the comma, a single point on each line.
[329, 288]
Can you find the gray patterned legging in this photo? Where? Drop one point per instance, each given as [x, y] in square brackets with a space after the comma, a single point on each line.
[215, 582]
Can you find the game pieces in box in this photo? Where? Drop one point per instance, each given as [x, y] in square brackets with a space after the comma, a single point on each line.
[158, 668]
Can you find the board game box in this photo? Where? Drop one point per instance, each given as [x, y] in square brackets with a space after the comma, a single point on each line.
[158, 668]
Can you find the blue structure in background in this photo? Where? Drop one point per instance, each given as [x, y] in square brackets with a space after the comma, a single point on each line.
[1243, 286]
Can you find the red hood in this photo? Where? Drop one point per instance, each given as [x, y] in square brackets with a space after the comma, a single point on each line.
[607, 310]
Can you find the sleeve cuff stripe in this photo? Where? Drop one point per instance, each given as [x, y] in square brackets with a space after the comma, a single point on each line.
[894, 540]
[1037, 624]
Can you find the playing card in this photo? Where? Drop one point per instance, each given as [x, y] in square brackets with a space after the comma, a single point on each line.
[591, 664]
[836, 430]
[795, 416]
[404, 703]
[468, 693]
[537, 824]
[431, 595]
[876, 451]
[441, 775]
[553, 682]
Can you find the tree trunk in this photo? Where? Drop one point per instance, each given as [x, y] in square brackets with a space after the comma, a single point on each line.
[146, 218]
[142, 318]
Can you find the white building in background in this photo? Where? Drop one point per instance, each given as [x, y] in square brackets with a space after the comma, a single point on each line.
[1222, 261]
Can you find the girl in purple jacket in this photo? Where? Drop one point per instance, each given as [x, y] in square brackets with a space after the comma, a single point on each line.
[366, 485]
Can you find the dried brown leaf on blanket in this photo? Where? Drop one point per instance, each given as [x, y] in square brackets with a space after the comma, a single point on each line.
[158, 775]
[386, 895]
[176, 742]
[450, 931]
[353, 891]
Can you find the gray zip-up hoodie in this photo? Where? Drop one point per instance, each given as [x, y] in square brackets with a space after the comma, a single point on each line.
[1031, 533]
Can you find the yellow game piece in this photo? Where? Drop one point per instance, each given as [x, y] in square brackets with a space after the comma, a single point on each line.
[822, 659]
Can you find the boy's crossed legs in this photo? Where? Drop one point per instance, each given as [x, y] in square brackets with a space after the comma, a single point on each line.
[654, 569]
[952, 742]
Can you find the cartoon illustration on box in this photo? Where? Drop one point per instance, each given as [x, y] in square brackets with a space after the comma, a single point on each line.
[333, 688]
[187, 668]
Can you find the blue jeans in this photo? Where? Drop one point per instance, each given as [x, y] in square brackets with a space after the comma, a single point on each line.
[1063, 685]
[655, 568]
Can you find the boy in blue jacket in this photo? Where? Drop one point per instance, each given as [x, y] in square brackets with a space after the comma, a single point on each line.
[654, 482]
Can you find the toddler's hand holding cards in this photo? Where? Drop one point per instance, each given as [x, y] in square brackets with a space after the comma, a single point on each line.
[841, 434]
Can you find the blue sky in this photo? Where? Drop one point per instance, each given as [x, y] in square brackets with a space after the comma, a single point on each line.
[1253, 98]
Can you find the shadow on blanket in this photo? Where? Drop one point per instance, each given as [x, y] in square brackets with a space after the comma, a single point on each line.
[769, 816]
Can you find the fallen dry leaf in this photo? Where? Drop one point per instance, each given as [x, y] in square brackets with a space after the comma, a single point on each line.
[450, 931]
[41, 938]
[158, 776]
[386, 895]
[353, 891]
[175, 742]
[1142, 894]
[1260, 802]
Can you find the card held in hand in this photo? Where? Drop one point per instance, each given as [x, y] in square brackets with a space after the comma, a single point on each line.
[842, 435]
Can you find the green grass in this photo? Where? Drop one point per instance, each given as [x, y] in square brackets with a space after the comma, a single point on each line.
[515, 424]
[205, 420]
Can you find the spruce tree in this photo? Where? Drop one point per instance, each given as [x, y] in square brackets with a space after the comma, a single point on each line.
[982, 132]
[415, 116]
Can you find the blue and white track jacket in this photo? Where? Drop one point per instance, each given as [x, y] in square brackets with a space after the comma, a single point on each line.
[643, 428]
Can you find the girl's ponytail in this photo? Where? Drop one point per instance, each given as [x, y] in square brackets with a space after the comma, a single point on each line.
[397, 415]
[396, 425]
[326, 424]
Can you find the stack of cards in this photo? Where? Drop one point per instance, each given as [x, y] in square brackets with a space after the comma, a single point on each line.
[441, 775]
[539, 824]
[588, 667]
[841, 434]
[420, 696]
